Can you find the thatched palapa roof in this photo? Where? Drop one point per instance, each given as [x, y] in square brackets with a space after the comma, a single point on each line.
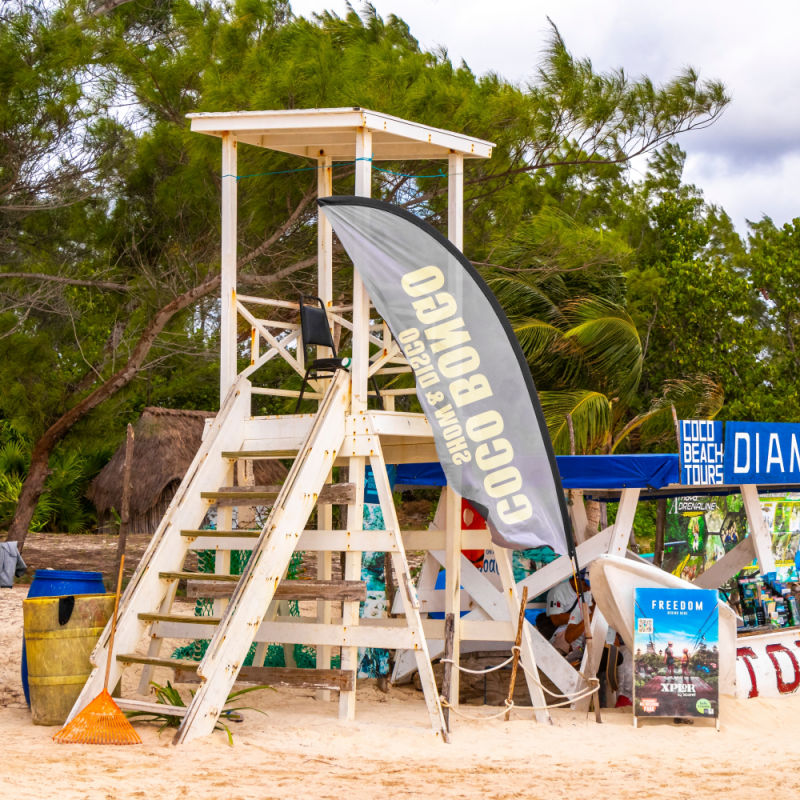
[165, 442]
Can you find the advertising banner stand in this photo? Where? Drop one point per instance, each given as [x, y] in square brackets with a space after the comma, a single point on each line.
[676, 654]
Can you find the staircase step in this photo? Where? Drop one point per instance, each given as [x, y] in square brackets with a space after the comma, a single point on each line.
[149, 707]
[190, 619]
[336, 679]
[154, 661]
[331, 494]
[205, 576]
[259, 454]
[243, 534]
[286, 590]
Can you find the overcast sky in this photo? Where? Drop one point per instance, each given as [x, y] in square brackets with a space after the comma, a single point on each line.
[748, 162]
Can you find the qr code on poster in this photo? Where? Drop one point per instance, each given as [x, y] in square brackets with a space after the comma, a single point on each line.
[645, 625]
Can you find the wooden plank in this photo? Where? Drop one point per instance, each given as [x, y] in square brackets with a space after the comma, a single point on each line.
[326, 679]
[352, 571]
[206, 576]
[225, 543]
[452, 590]
[208, 590]
[155, 661]
[560, 569]
[188, 619]
[474, 629]
[227, 326]
[385, 633]
[397, 423]
[128, 704]
[410, 600]
[331, 493]
[324, 572]
[261, 455]
[239, 534]
[733, 561]
[287, 590]
[479, 588]
[762, 538]
[623, 525]
[447, 677]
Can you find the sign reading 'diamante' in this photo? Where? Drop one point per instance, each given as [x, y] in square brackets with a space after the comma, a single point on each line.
[701, 452]
[472, 378]
[762, 452]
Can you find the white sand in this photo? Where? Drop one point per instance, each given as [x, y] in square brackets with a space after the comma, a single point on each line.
[299, 749]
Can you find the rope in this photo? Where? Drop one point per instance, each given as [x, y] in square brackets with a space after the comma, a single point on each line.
[480, 671]
[439, 174]
[568, 699]
[478, 717]
[509, 705]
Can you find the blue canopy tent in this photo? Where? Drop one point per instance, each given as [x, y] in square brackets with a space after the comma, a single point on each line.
[579, 472]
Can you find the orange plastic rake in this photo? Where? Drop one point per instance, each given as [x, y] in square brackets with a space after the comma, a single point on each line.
[101, 722]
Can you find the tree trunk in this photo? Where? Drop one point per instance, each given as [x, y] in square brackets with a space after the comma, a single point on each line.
[592, 517]
[33, 486]
[30, 493]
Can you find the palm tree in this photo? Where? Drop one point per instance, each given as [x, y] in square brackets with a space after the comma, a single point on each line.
[586, 357]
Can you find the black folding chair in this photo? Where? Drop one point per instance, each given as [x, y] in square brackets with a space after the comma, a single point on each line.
[315, 331]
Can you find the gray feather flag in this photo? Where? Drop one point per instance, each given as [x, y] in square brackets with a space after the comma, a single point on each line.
[473, 382]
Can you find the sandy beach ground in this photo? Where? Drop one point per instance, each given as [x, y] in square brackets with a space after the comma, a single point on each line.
[299, 749]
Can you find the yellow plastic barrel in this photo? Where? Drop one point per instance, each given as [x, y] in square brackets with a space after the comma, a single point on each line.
[59, 650]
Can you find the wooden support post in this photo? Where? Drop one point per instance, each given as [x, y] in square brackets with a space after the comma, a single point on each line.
[617, 546]
[512, 598]
[125, 509]
[577, 515]
[227, 365]
[324, 232]
[352, 572]
[661, 526]
[360, 366]
[452, 597]
[409, 596]
[455, 199]
[324, 607]
[449, 669]
[388, 400]
[515, 663]
[762, 538]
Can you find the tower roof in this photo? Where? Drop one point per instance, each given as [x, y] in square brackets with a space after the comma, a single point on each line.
[331, 132]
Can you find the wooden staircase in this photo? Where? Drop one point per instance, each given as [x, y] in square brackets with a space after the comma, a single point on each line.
[246, 608]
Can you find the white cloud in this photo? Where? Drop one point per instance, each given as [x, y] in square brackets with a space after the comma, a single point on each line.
[747, 162]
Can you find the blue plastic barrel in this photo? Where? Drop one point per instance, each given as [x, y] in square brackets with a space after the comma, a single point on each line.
[56, 583]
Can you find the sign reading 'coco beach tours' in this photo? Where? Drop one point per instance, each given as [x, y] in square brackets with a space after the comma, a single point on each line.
[702, 452]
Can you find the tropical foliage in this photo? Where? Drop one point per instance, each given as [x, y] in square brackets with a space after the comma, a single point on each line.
[628, 297]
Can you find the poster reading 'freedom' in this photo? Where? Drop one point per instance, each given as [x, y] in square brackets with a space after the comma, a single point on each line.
[676, 653]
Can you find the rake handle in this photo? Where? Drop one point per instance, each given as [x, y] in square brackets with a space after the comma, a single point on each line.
[114, 623]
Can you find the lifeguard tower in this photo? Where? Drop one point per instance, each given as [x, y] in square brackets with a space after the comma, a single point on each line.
[342, 432]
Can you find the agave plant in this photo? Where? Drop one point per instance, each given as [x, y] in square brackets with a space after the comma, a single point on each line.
[170, 696]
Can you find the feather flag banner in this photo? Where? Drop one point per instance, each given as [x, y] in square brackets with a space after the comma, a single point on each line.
[472, 379]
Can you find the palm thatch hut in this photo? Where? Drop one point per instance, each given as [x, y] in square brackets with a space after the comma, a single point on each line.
[166, 441]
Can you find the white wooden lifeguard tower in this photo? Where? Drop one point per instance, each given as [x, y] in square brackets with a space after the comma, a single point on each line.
[343, 431]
